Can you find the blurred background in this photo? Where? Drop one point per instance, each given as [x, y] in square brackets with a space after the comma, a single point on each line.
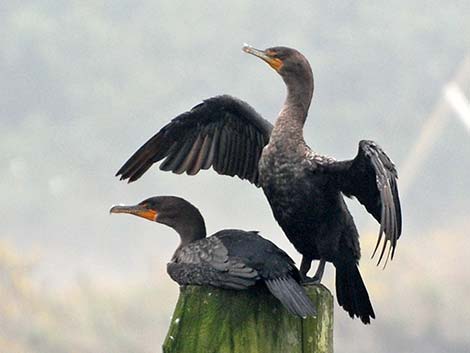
[85, 83]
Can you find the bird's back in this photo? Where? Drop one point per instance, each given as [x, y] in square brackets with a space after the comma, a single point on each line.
[257, 253]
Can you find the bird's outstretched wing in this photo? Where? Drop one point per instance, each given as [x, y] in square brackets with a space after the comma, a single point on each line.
[223, 132]
[372, 178]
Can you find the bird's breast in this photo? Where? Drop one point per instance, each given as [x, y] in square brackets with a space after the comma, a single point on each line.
[283, 177]
[294, 191]
[279, 168]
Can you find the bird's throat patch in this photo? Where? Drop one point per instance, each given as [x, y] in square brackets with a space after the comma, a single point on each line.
[275, 63]
[151, 215]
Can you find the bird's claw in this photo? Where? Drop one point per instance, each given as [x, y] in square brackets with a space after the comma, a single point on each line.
[310, 280]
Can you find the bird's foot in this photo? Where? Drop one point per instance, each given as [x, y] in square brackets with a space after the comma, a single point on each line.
[318, 275]
[308, 281]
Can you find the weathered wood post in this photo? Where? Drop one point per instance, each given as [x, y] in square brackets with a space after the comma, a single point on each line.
[211, 320]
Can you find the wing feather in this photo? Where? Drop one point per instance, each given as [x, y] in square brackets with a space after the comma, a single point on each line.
[191, 156]
[235, 154]
[176, 155]
[202, 156]
[372, 178]
[215, 133]
[247, 159]
[228, 150]
[210, 159]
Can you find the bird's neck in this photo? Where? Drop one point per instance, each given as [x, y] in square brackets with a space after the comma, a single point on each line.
[291, 119]
[191, 230]
[189, 233]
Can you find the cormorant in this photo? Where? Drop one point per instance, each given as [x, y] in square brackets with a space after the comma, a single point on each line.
[305, 189]
[230, 258]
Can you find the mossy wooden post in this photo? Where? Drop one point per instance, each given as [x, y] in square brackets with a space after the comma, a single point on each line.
[211, 320]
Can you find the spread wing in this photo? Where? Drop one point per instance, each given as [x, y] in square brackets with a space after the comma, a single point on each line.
[223, 132]
[372, 178]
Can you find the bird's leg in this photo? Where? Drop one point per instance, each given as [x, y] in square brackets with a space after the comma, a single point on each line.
[320, 270]
[304, 268]
[316, 279]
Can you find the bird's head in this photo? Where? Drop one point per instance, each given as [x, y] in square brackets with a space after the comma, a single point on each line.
[172, 211]
[287, 62]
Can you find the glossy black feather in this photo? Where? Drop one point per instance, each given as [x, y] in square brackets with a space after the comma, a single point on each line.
[372, 178]
[231, 258]
[236, 259]
[223, 119]
[292, 295]
[304, 189]
[351, 292]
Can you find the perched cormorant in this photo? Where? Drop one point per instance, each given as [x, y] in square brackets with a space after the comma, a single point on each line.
[230, 258]
[305, 189]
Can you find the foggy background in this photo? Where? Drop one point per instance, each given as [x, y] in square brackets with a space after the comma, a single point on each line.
[84, 83]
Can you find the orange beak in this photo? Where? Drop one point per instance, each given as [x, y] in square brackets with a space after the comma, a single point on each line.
[137, 210]
[275, 63]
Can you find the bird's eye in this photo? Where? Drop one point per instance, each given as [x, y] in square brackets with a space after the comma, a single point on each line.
[271, 53]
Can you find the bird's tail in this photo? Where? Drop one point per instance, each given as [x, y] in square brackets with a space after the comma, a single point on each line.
[292, 296]
[351, 292]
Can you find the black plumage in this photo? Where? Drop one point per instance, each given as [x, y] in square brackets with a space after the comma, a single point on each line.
[222, 132]
[304, 188]
[230, 258]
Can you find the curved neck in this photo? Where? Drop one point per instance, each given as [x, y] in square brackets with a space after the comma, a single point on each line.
[187, 221]
[299, 96]
[294, 112]
[190, 227]
[191, 231]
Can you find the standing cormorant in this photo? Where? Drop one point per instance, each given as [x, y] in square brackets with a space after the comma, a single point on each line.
[230, 258]
[305, 189]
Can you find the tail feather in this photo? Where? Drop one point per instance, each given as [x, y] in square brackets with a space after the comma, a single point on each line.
[351, 292]
[292, 296]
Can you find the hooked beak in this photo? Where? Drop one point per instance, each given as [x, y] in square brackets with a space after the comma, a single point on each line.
[275, 63]
[137, 210]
